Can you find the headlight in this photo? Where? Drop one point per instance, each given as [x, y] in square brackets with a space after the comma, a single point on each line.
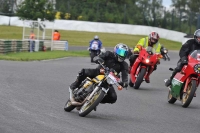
[197, 68]
[165, 51]
[147, 60]
[110, 81]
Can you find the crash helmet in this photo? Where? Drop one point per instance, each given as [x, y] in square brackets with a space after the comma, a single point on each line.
[197, 36]
[154, 37]
[96, 37]
[121, 52]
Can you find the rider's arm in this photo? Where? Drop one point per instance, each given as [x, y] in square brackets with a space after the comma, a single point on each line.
[124, 72]
[140, 43]
[185, 49]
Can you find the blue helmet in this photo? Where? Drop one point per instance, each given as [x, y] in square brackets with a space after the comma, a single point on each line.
[121, 51]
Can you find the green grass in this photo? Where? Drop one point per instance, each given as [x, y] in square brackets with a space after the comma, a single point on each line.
[75, 38]
[27, 56]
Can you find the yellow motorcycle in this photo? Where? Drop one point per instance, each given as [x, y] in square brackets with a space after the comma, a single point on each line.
[92, 91]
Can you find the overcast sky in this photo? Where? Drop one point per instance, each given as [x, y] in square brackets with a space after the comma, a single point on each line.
[167, 3]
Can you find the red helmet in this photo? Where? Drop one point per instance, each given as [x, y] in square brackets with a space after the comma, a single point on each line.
[154, 37]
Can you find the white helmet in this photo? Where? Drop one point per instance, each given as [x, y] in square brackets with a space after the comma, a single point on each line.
[96, 37]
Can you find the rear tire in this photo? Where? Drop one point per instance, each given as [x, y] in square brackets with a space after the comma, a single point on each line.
[140, 77]
[188, 96]
[68, 106]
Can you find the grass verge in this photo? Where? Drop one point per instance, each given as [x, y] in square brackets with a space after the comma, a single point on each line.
[75, 38]
[38, 56]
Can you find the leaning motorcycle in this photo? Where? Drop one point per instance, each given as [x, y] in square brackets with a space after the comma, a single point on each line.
[91, 91]
[164, 53]
[185, 82]
[143, 65]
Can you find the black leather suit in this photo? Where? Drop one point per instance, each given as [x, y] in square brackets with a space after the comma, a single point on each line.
[110, 61]
[185, 50]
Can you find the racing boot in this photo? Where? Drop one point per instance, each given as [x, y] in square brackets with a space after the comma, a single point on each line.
[75, 85]
[79, 80]
[147, 80]
[169, 81]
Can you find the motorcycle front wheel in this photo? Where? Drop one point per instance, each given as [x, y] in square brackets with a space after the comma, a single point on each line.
[170, 98]
[189, 94]
[89, 105]
[140, 77]
[68, 106]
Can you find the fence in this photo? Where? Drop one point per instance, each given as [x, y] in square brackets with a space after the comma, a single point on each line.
[7, 46]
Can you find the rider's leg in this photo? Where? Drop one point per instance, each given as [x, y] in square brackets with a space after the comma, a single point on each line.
[177, 69]
[82, 75]
[111, 96]
[147, 79]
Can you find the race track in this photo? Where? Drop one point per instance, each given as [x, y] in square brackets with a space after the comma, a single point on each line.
[33, 94]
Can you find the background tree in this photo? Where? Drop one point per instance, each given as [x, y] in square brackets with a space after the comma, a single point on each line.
[34, 9]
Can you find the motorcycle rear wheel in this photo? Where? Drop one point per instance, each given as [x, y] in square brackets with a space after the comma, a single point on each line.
[140, 77]
[188, 96]
[88, 106]
[68, 106]
[170, 98]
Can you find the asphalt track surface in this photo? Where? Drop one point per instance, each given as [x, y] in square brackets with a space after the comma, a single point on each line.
[33, 94]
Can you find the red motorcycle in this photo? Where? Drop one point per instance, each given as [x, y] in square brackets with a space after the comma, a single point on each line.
[143, 66]
[185, 82]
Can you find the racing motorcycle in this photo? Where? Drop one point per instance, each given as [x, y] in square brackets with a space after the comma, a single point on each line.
[143, 65]
[91, 91]
[185, 82]
[94, 50]
[164, 53]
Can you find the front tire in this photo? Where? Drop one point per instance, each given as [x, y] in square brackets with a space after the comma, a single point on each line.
[188, 96]
[68, 106]
[140, 77]
[170, 98]
[88, 106]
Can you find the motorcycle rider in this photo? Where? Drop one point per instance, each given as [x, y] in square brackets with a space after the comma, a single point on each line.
[113, 60]
[151, 40]
[186, 48]
[95, 44]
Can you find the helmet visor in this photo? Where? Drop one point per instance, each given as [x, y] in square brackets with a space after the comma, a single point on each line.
[121, 52]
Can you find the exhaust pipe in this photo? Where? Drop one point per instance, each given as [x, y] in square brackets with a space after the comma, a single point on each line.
[71, 95]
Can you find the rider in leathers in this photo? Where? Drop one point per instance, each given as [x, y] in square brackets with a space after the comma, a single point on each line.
[187, 47]
[113, 60]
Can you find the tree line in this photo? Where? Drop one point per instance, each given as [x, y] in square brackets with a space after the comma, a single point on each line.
[183, 15]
